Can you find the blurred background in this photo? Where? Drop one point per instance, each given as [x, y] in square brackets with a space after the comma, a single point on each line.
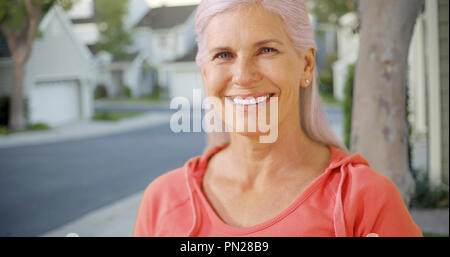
[91, 128]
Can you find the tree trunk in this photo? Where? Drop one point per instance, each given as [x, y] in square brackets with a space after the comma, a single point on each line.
[17, 120]
[20, 43]
[379, 128]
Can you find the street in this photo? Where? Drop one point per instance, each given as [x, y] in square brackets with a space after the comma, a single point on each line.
[46, 186]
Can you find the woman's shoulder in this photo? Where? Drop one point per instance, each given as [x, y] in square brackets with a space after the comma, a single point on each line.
[170, 184]
[356, 176]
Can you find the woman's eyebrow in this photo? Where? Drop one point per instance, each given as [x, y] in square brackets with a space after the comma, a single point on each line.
[259, 43]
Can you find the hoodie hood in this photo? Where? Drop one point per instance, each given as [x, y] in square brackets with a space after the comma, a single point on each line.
[340, 161]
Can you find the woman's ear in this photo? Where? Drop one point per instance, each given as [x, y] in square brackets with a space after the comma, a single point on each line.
[309, 60]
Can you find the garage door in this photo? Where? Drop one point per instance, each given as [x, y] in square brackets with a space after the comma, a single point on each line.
[55, 103]
[183, 84]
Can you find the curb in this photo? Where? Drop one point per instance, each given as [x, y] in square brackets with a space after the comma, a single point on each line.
[82, 130]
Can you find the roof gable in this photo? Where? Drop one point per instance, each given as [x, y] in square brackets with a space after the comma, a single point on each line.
[166, 17]
[58, 13]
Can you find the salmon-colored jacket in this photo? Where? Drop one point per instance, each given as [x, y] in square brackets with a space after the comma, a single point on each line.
[348, 199]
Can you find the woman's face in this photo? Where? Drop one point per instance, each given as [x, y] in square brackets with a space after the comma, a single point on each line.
[248, 52]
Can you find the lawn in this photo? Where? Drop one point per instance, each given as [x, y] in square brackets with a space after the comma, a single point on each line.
[114, 116]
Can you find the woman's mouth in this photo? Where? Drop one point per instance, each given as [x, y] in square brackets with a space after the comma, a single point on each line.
[250, 100]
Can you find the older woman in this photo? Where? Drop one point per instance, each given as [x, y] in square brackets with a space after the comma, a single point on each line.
[303, 183]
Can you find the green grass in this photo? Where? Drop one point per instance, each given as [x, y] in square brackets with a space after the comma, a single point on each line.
[428, 234]
[136, 100]
[30, 127]
[114, 116]
[38, 127]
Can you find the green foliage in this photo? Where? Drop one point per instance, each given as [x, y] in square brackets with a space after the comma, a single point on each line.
[127, 91]
[348, 104]
[114, 116]
[38, 127]
[14, 14]
[100, 92]
[114, 38]
[157, 92]
[328, 11]
[326, 75]
[326, 83]
[427, 196]
[426, 234]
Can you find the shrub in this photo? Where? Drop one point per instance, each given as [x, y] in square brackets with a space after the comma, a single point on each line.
[326, 83]
[5, 102]
[326, 74]
[100, 92]
[39, 126]
[4, 110]
[348, 104]
[127, 91]
[427, 196]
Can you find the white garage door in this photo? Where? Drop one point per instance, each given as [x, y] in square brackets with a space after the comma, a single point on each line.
[183, 83]
[55, 103]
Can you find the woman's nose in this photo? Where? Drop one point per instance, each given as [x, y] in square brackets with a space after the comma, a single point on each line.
[246, 73]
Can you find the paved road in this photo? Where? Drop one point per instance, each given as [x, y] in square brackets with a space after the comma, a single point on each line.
[46, 186]
[43, 187]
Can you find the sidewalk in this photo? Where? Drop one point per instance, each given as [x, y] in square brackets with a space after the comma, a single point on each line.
[83, 129]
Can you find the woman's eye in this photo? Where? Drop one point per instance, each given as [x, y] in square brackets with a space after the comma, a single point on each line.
[223, 55]
[268, 50]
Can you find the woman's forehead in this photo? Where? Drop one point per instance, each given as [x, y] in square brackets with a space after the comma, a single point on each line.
[249, 25]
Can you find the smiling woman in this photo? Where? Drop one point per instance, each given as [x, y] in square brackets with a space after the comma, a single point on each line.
[304, 183]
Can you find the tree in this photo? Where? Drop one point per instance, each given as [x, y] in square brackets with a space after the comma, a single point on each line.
[19, 23]
[114, 37]
[327, 11]
[379, 127]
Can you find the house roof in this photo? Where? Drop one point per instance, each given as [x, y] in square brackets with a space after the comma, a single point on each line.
[90, 19]
[93, 49]
[188, 56]
[166, 17]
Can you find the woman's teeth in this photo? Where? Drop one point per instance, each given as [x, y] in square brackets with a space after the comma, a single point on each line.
[250, 101]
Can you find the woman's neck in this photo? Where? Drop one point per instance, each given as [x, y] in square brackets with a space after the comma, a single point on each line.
[254, 164]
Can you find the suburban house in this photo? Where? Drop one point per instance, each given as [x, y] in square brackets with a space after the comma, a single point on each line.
[428, 83]
[166, 33]
[58, 78]
[428, 86]
[131, 71]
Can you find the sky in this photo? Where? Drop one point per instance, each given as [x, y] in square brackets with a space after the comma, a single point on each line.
[156, 3]
[82, 8]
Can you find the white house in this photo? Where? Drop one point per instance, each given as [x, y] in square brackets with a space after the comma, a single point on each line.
[182, 76]
[132, 72]
[114, 74]
[166, 34]
[429, 87]
[58, 78]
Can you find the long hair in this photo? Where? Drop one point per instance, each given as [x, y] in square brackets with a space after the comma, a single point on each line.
[296, 17]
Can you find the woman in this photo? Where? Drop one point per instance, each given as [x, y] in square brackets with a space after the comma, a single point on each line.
[303, 183]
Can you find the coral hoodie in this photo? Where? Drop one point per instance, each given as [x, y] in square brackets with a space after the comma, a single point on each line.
[347, 199]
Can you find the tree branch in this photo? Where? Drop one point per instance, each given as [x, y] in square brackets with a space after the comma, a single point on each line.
[11, 38]
[29, 7]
